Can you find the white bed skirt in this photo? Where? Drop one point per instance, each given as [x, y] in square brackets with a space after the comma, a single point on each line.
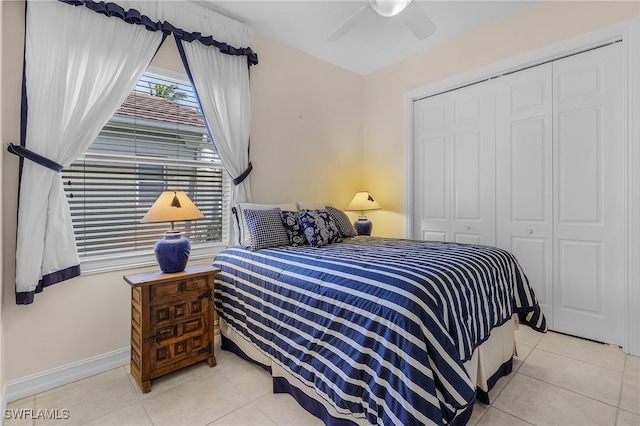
[490, 361]
[492, 354]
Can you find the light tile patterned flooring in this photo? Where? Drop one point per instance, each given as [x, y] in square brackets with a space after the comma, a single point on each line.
[557, 380]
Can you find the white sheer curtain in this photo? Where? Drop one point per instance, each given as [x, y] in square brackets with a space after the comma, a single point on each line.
[79, 67]
[220, 75]
[222, 84]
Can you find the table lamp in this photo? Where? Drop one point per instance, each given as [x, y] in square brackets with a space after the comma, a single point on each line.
[172, 252]
[363, 201]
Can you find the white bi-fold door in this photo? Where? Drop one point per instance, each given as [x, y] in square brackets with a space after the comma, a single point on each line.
[556, 180]
[589, 204]
[454, 167]
[524, 176]
[560, 181]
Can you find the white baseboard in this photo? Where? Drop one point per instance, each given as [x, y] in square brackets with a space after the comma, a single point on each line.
[40, 382]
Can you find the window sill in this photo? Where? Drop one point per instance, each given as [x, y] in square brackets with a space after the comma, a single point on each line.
[102, 264]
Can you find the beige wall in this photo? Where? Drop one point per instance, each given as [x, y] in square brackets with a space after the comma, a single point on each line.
[306, 128]
[306, 141]
[541, 25]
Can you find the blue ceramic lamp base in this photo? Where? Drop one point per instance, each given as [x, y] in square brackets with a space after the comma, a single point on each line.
[172, 252]
[363, 226]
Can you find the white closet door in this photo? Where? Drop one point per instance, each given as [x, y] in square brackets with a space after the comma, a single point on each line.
[431, 170]
[454, 166]
[473, 165]
[589, 204]
[524, 190]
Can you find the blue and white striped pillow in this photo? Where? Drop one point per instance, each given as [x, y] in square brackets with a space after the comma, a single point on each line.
[265, 228]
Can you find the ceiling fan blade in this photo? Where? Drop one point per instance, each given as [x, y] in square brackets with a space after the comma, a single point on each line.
[418, 21]
[348, 24]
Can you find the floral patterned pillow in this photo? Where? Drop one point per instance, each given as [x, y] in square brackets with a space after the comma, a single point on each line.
[319, 227]
[293, 228]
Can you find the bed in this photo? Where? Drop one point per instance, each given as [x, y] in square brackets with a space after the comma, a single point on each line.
[377, 331]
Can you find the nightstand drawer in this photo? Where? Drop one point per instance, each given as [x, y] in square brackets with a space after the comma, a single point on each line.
[172, 289]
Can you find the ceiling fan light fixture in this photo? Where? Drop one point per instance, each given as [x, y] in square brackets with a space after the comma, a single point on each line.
[389, 8]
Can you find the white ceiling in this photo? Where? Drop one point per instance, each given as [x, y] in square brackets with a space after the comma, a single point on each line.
[375, 42]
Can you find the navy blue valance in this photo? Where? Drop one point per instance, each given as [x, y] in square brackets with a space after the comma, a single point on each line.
[133, 16]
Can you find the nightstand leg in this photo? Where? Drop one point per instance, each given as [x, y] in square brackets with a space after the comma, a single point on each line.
[212, 361]
[146, 386]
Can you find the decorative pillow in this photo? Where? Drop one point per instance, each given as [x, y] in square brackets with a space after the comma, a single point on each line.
[265, 228]
[311, 205]
[293, 228]
[342, 222]
[319, 227]
[242, 230]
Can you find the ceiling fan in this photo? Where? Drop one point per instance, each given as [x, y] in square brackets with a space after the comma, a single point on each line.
[415, 18]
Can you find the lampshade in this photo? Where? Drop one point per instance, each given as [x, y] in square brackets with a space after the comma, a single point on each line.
[172, 206]
[389, 8]
[362, 201]
[172, 252]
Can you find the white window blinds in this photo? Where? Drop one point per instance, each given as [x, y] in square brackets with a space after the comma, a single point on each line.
[156, 141]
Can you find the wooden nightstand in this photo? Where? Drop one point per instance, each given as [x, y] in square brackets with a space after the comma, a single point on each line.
[172, 319]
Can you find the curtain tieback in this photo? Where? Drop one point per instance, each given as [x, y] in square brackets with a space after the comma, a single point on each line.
[23, 152]
[237, 181]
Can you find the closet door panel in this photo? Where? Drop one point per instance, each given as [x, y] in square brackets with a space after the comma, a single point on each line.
[581, 262]
[435, 180]
[435, 204]
[530, 160]
[524, 213]
[590, 203]
[580, 179]
[473, 165]
[432, 140]
[466, 176]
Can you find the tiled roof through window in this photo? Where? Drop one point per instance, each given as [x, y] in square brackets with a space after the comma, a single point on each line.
[150, 107]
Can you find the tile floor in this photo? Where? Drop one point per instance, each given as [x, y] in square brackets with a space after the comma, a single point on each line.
[557, 380]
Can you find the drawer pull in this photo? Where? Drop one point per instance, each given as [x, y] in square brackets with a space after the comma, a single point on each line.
[162, 335]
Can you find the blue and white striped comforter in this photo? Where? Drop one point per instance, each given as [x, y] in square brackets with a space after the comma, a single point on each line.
[379, 327]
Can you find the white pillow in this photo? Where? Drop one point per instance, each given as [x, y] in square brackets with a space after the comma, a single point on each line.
[244, 237]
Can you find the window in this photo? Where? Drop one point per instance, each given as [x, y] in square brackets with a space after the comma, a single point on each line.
[156, 141]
